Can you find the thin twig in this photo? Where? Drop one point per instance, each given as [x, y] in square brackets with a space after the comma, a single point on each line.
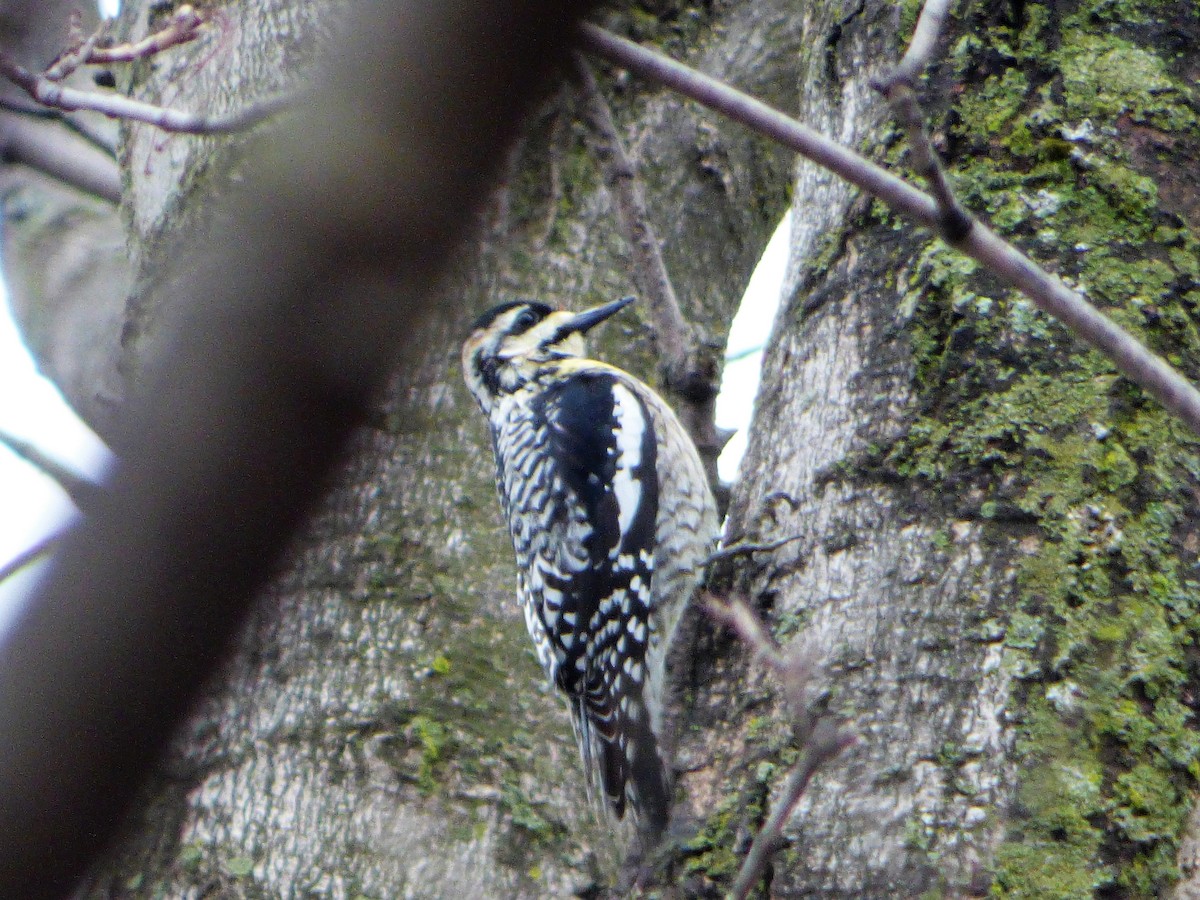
[982, 244]
[689, 369]
[824, 744]
[72, 59]
[954, 222]
[99, 135]
[83, 493]
[738, 617]
[745, 548]
[81, 125]
[924, 39]
[146, 595]
[792, 668]
[673, 335]
[28, 557]
[822, 739]
[50, 93]
[183, 27]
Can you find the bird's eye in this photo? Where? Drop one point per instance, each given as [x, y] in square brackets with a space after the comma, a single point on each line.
[527, 319]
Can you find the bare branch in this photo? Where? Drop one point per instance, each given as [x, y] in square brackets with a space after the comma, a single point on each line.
[954, 223]
[672, 334]
[982, 244]
[73, 58]
[924, 39]
[745, 548]
[824, 744]
[822, 739]
[688, 370]
[28, 557]
[762, 118]
[83, 125]
[83, 493]
[738, 617]
[55, 151]
[145, 593]
[50, 93]
[792, 668]
[46, 89]
[183, 27]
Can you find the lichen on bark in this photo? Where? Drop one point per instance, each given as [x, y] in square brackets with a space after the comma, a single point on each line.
[1038, 651]
[1098, 480]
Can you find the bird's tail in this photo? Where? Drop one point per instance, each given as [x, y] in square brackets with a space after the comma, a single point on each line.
[622, 761]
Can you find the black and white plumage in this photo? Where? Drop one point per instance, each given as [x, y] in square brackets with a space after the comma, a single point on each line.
[611, 518]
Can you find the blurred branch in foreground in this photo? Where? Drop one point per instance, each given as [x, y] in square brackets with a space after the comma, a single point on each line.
[279, 340]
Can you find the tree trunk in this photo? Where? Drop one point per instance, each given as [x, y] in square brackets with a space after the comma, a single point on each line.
[383, 729]
[996, 534]
[995, 551]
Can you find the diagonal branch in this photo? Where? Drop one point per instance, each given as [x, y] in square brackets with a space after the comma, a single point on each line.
[50, 93]
[147, 592]
[183, 27]
[46, 89]
[824, 745]
[53, 149]
[954, 223]
[924, 39]
[823, 741]
[1131, 357]
[83, 493]
[745, 548]
[689, 370]
[672, 334]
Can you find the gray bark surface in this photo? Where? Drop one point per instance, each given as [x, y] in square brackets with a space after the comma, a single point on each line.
[965, 568]
[866, 590]
[383, 729]
[994, 533]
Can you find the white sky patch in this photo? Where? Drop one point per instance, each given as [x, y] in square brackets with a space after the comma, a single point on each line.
[747, 338]
[109, 8]
[31, 504]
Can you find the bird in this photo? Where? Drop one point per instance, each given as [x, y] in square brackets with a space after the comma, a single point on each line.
[612, 519]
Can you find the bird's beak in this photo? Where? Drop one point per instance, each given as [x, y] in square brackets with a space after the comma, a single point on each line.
[590, 318]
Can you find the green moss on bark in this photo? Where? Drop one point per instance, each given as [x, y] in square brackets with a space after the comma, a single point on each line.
[1098, 481]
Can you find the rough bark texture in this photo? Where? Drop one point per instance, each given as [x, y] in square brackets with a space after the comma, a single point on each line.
[997, 549]
[997, 539]
[384, 730]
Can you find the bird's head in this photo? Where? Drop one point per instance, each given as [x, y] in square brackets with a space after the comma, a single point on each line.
[511, 342]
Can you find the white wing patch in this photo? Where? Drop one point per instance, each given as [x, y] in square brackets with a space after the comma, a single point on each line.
[629, 429]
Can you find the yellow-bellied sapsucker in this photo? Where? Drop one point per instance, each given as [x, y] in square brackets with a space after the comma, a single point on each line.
[611, 519]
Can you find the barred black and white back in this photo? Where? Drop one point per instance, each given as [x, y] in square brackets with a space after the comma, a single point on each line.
[611, 518]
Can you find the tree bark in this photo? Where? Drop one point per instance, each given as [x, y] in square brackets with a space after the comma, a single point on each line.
[996, 534]
[383, 729]
[996, 549]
